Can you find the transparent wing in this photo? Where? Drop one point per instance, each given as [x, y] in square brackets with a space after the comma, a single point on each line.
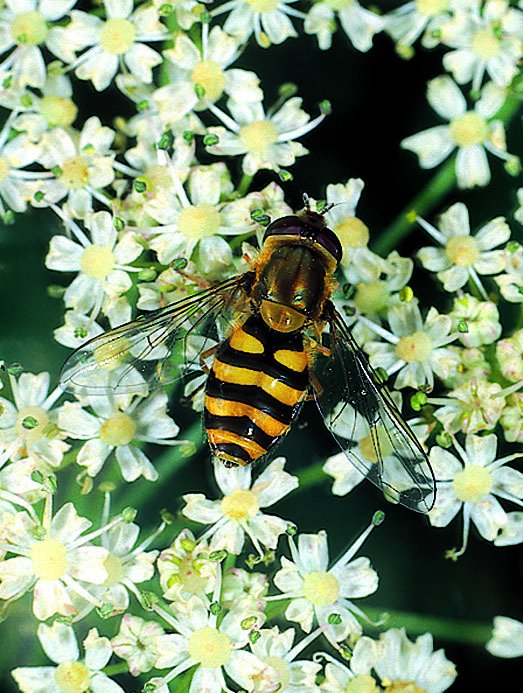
[156, 348]
[362, 416]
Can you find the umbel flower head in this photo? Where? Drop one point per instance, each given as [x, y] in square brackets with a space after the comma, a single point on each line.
[471, 132]
[464, 256]
[324, 593]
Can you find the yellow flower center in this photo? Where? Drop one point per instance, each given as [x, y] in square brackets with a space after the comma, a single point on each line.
[4, 168]
[209, 75]
[74, 173]
[372, 297]
[58, 111]
[462, 250]
[353, 233]
[72, 677]
[485, 44]
[401, 686]
[469, 129]
[320, 588]
[431, 8]
[157, 179]
[97, 261]
[29, 28]
[364, 683]
[263, 5]
[414, 347]
[281, 667]
[31, 423]
[190, 577]
[472, 483]
[209, 647]
[117, 36]
[114, 568]
[240, 504]
[257, 137]
[119, 429]
[49, 559]
[368, 445]
[199, 221]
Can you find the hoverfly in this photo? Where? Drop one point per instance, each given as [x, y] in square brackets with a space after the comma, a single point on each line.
[283, 342]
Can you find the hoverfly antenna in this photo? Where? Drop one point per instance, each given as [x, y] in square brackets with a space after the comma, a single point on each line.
[326, 208]
[306, 202]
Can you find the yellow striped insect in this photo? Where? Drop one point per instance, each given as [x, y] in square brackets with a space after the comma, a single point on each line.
[284, 341]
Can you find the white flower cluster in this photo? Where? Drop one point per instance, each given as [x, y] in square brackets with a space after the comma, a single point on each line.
[151, 208]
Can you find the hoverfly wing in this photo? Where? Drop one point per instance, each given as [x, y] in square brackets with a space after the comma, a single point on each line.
[156, 348]
[362, 416]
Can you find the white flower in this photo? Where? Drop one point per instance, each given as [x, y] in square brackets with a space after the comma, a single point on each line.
[127, 563]
[510, 282]
[239, 511]
[483, 43]
[354, 428]
[193, 218]
[72, 674]
[267, 19]
[471, 484]
[265, 140]
[481, 319]
[119, 40]
[15, 154]
[471, 132]
[400, 663]
[360, 24]
[325, 593]
[512, 532]
[186, 569]
[507, 638]
[353, 233]
[411, 19]
[199, 640]
[464, 256]
[82, 165]
[55, 559]
[102, 262]
[29, 423]
[25, 26]
[135, 643]
[474, 405]
[198, 75]
[276, 649]
[113, 426]
[49, 107]
[244, 590]
[415, 349]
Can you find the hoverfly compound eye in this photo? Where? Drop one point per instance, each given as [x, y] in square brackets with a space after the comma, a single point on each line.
[328, 240]
[311, 227]
[288, 226]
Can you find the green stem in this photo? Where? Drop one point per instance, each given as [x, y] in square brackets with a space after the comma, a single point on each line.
[440, 185]
[442, 628]
[244, 185]
[423, 203]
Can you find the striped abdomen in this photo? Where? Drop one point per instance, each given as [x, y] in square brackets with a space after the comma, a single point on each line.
[258, 381]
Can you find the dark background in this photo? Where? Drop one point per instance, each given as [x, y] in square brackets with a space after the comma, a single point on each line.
[377, 99]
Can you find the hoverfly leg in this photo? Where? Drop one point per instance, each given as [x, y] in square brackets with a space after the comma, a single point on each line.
[195, 280]
[316, 386]
[204, 357]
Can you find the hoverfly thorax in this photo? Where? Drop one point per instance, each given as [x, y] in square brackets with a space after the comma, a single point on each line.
[298, 257]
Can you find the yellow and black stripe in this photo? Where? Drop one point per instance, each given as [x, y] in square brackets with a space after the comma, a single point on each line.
[257, 384]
